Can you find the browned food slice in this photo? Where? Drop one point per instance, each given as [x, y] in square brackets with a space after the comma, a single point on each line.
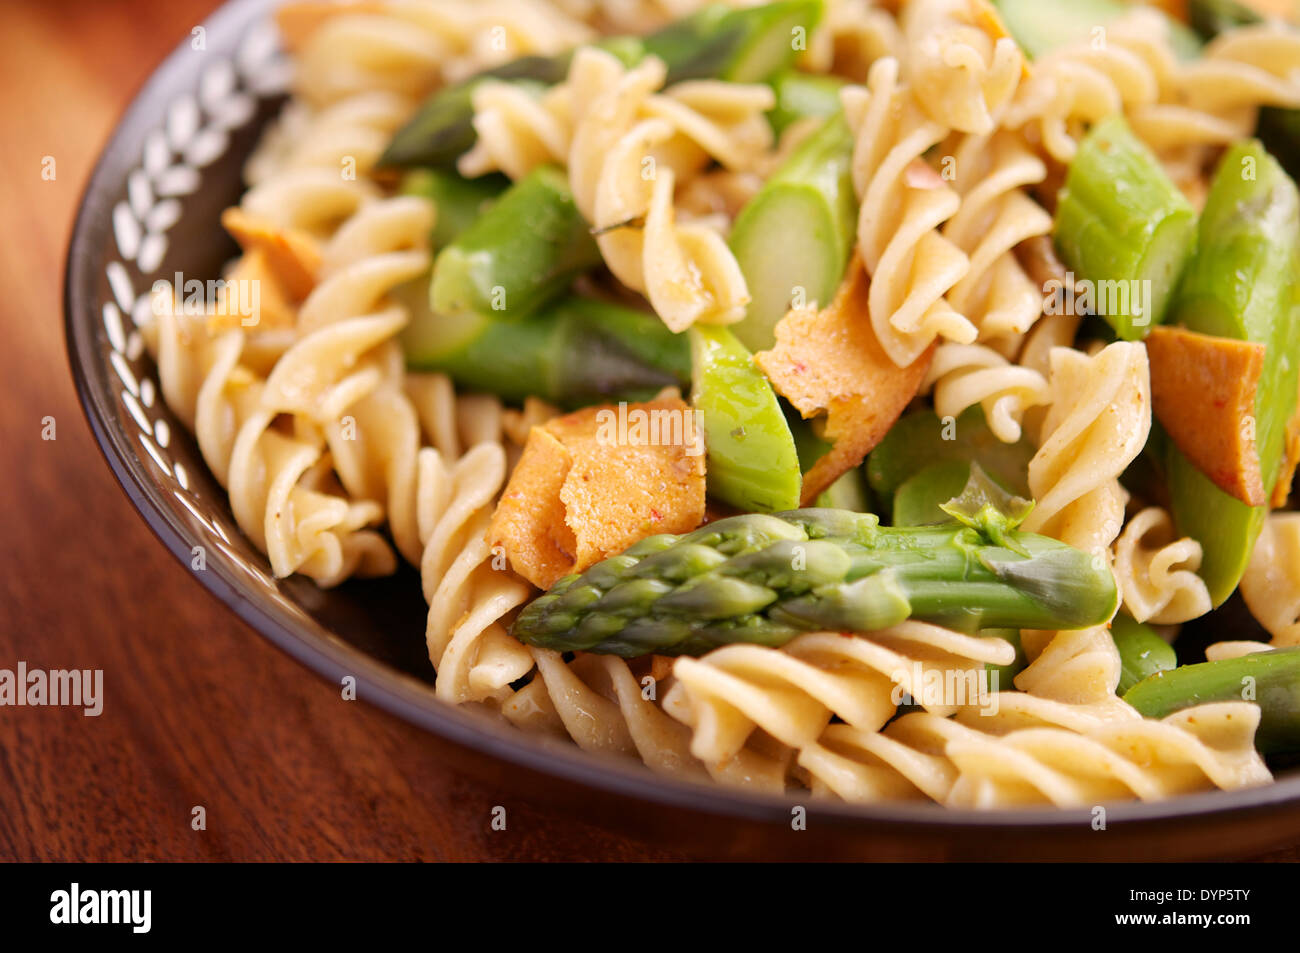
[583, 490]
[1203, 393]
[830, 361]
[529, 519]
[253, 297]
[1290, 460]
[292, 255]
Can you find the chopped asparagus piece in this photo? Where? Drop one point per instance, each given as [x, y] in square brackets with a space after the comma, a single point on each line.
[1242, 284]
[916, 503]
[794, 237]
[1124, 227]
[519, 255]
[849, 492]
[1270, 679]
[1040, 26]
[802, 96]
[574, 352]
[922, 439]
[1142, 653]
[459, 202]
[752, 463]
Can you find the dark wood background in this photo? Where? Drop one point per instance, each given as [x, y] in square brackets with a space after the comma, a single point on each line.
[200, 710]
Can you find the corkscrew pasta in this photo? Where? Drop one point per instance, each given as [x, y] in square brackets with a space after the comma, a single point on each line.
[909, 196]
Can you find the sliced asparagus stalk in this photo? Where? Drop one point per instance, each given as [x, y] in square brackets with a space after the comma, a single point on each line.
[849, 492]
[1242, 284]
[1270, 679]
[922, 439]
[523, 252]
[920, 496]
[803, 96]
[793, 239]
[459, 202]
[1142, 653]
[751, 463]
[1123, 226]
[764, 579]
[1041, 26]
[574, 352]
[745, 45]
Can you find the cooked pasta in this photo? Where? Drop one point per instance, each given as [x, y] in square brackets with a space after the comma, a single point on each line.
[903, 203]
[996, 215]
[953, 762]
[1178, 108]
[686, 270]
[1157, 573]
[963, 375]
[375, 407]
[961, 73]
[793, 692]
[409, 46]
[852, 35]
[1271, 586]
[1097, 423]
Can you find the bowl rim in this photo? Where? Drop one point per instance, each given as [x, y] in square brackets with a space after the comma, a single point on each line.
[399, 694]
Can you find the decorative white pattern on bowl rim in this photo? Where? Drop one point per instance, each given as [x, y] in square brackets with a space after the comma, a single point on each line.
[195, 132]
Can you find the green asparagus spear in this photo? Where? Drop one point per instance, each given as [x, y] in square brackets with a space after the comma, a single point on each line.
[794, 237]
[459, 202]
[848, 492]
[920, 496]
[1270, 679]
[802, 96]
[1242, 284]
[574, 352]
[1209, 18]
[1041, 26]
[752, 463]
[764, 579]
[921, 439]
[744, 45]
[1142, 653]
[1124, 227]
[519, 255]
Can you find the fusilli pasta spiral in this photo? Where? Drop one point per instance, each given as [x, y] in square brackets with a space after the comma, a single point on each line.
[963, 375]
[791, 693]
[962, 74]
[1271, 587]
[1157, 573]
[904, 201]
[1178, 108]
[1097, 422]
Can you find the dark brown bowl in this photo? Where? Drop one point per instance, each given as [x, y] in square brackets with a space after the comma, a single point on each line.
[151, 209]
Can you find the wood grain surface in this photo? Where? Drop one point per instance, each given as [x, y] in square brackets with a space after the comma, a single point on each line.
[199, 709]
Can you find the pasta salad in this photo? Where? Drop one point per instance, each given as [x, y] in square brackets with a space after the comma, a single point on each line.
[835, 395]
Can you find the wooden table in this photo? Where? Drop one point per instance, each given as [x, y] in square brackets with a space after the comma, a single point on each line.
[199, 710]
